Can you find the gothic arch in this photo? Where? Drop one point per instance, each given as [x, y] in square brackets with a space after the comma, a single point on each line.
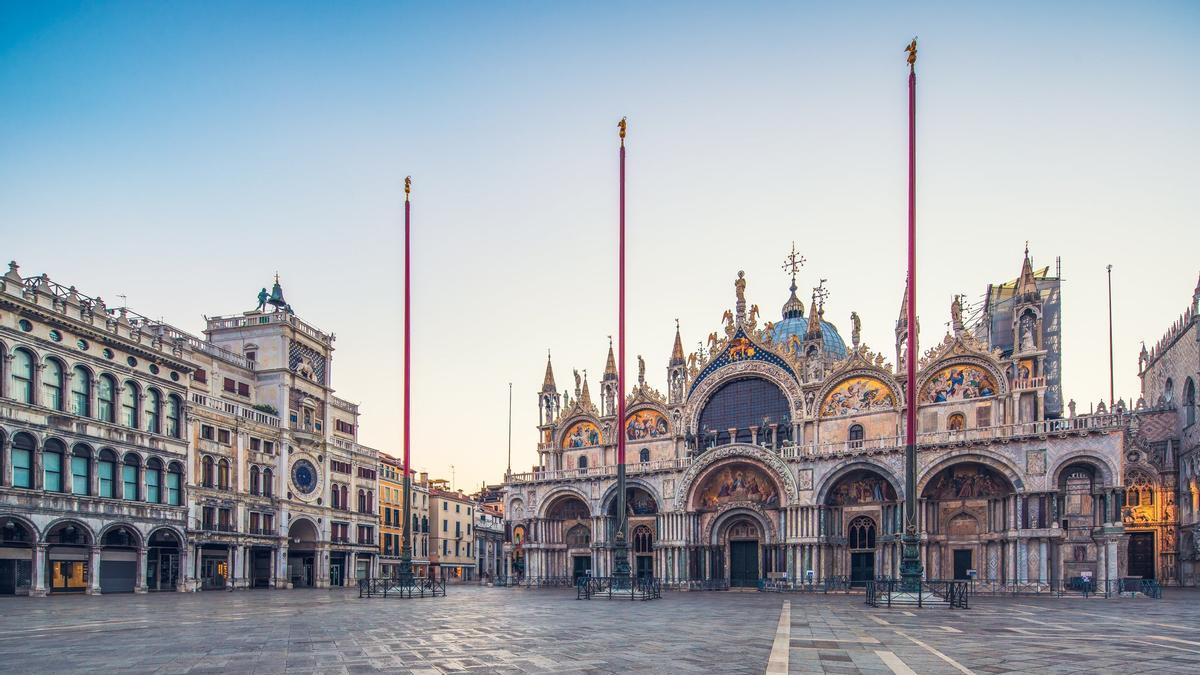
[771, 461]
[870, 371]
[565, 428]
[1106, 473]
[848, 466]
[726, 517]
[1002, 465]
[927, 372]
[558, 493]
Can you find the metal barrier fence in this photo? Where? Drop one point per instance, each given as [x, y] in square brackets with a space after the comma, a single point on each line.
[634, 588]
[1071, 587]
[392, 587]
[827, 585]
[675, 584]
[928, 593]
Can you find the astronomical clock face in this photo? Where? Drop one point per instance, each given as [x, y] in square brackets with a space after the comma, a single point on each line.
[305, 477]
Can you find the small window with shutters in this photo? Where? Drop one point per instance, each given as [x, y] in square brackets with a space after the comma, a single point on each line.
[243, 389]
[229, 385]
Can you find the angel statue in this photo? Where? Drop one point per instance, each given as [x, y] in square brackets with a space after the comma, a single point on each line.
[691, 361]
[641, 370]
[727, 317]
[712, 339]
[912, 52]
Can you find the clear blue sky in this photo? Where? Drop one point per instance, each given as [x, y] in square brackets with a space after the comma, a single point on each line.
[181, 153]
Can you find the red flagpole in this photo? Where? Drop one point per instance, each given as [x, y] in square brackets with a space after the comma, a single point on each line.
[621, 318]
[405, 571]
[911, 433]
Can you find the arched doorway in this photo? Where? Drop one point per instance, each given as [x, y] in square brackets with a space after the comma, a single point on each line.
[162, 560]
[570, 530]
[860, 538]
[119, 559]
[862, 524]
[643, 551]
[68, 545]
[302, 554]
[742, 539]
[16, 556]
[968, 510]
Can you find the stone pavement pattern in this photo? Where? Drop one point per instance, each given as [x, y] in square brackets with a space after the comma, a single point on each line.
[528, 631]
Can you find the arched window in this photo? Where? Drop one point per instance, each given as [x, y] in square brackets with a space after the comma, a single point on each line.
[1077, 484]
[644, 455]
[129, 478]
[371, 502]
[583, 464]
[175, 484]
[206, 471]
[337, 497]
[105, 399]
[956, 422]
[739, 405]
[81, 469]
[52, 466]
[22, 460]
[106, 470]
[223, 474]
[861, 533]
[268, 483]
[52, 384]
[345, 498]
[416, 524]
[22, 376]
[254, 480]
[129, 406]
[1140, 490]
[856, 435]
[173, 408]
[424, 524]
[154, 481]
[1189, 402]
[1169, 391]
[362, 501]
[81, 387]
[643, 540]
[153, 408]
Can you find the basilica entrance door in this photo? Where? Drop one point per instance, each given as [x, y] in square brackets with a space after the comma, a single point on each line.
[962, 562]
[1141, 555]
[862, 568]
[582, 566]
[743, 563]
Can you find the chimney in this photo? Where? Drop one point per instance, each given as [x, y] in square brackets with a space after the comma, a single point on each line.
[424, 478]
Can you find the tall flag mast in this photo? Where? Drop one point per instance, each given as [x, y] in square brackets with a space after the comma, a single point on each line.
[405, 572]
[910, 563]
[620, 545]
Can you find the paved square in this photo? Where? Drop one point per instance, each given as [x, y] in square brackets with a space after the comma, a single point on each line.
[516, 631]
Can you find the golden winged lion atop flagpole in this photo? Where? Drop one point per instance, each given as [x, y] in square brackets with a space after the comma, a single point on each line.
[912, 52]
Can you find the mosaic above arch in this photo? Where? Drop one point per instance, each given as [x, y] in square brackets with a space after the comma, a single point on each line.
[645, 424]
[861, 486]
[739, 349]
[856, 395]
[581, 435]
[958, 382]
[967, 481]
[737, 482]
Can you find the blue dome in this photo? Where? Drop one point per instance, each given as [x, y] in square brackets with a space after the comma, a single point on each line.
[798, 326]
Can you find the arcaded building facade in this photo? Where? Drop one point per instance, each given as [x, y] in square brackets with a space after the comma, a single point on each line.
[778, 450]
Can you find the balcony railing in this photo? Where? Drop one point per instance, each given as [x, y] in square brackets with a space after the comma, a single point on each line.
[841, 448]
[219, 527]
[242, 320]
[235, 409]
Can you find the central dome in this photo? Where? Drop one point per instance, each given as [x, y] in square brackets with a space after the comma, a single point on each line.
[798, 326]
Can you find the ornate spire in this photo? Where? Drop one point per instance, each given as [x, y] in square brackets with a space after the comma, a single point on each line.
[814, 318]
[585, 397]
[610, 368]
[677, 350]
[548, 381]
[902, 322]
[794, 307]
[1027, 284]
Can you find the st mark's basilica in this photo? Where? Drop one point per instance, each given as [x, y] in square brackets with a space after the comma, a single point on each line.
[777, 452]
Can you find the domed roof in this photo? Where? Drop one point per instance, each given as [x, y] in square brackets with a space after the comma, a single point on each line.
[798, 326]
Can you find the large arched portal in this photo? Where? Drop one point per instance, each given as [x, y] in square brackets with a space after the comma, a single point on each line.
[862, 521]
[568, 531]
[967, 512]
[737, 501]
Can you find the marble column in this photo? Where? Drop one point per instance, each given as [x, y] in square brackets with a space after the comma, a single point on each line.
[93, 587]
[38, 562]
[139, 584]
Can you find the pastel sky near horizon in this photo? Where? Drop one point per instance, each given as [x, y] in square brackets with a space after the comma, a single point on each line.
[182, 153]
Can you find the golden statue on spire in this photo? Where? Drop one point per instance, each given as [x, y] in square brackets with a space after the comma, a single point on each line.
[912, 53]
[407, 186]
[621, 127]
